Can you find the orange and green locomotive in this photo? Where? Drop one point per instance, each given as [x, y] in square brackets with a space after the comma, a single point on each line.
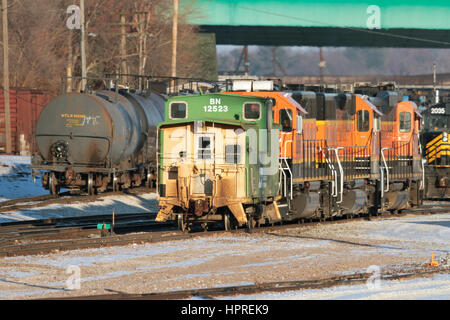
[251, 158]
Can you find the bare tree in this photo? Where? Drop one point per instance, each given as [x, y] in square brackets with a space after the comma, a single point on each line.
[43, 49]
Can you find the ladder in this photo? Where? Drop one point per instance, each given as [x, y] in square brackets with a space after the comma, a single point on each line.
[337, 185]
[285, 176]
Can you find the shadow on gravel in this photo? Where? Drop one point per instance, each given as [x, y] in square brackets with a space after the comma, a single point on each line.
[122, 205]
[336, 240]
[434, 223]
[33, 285]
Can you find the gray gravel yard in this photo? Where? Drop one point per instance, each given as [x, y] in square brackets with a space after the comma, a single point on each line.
[311, 252]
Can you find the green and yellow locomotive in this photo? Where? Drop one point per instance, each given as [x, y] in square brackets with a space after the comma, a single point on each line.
[436, 150]
[218, 160]
[252, 158]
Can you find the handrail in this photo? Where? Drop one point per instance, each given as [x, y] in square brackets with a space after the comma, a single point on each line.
[290, 172]
[422, 182]
[284, 175]
[387, 170]
[341, 171]
[333, 172]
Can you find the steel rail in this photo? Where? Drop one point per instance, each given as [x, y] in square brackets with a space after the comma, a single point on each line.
[282, 286]
[152, 231]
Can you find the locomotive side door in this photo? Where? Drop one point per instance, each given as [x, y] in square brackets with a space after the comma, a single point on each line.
[287, 118]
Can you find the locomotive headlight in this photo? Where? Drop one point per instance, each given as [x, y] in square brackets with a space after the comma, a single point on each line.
[445, 137]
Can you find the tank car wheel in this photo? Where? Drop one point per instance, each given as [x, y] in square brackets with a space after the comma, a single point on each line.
[53, 184]
[90, 184]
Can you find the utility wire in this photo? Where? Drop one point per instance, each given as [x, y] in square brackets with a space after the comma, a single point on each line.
[380, 33]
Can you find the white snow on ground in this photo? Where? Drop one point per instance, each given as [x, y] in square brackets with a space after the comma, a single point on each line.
[171, 265]
[436, 287]
[15, 179]
[225, 260]
[160, 259]
[16, 182]
[213, 247]
[433, 230]
[121, 205]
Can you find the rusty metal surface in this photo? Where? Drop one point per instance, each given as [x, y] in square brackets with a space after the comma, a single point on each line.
[101, 130]
[26, 106]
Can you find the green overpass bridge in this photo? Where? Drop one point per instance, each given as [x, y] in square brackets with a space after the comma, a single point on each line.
[367, 23]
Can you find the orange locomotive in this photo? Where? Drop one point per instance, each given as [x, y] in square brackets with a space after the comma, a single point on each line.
[345, 154]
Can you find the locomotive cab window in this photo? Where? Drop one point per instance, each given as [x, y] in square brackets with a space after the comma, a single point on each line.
[363, 120]
[233, 153]
[286, 120]
[178, 110]
[204, 148]
[405, 122]
[252, 111]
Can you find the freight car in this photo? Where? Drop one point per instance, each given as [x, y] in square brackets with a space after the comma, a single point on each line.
[95, 142]
[436, 150]
[251, 158]
[25, 107]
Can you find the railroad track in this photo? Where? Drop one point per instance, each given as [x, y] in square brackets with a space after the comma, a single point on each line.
[53, 235]
[63, 198]
[43, 236]
[357, 278]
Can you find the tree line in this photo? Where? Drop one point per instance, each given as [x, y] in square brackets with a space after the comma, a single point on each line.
[339, 61]
[43, 50]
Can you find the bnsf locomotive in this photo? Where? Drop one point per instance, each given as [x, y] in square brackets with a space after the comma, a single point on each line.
[251, 158]
[95, 142]
[436, 150]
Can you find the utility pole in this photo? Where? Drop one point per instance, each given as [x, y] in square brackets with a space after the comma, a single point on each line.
[6, 76]
[69, 71]
[274, 60]
[142, 22]
[276, 63]
[174, 38]
[123, 44]
[322, 65]
[244, 55]
[246, 63]
[83, 47]
[435, 92]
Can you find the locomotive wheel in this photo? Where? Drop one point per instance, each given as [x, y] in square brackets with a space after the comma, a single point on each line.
[227, 221]
[90, 184]
[251, 223]
[53, 184]
[148, 183]
[115, 185]
[182, 225]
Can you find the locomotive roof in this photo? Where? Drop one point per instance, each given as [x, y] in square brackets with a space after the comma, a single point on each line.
[230, 95]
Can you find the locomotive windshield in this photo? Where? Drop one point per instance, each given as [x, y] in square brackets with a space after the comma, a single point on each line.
[437, 118]
[436, 122]
[178, 110]
[252, 111]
